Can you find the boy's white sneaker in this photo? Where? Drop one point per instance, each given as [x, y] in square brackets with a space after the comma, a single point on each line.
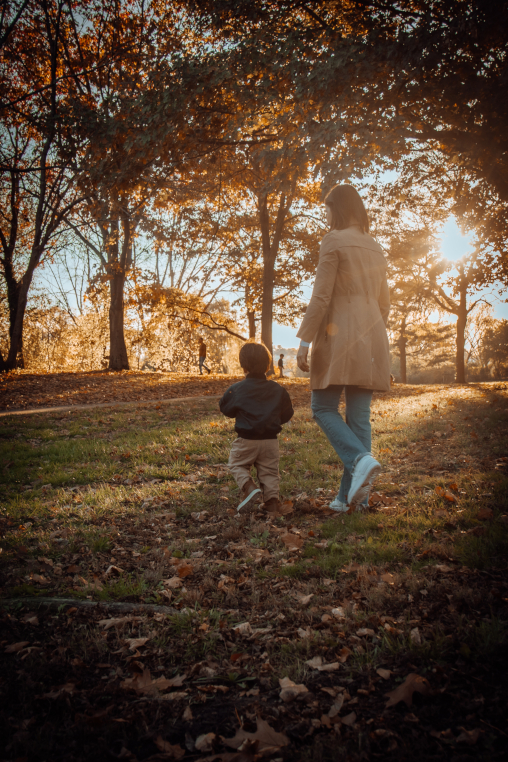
[339, 506]
[249, 492]
[365, 472]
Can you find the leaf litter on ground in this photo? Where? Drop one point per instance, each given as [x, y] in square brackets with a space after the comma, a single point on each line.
[297, 604]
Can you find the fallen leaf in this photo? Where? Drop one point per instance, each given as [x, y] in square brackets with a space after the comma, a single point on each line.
[443, 568]
[31, 619]
[404, 692]
[468, 736]
[317, 663]
[282, 509]
[384, 673]
[303, 600]
[265, 735]
[258, 553]
[205, 741]
[290, 690]
[117, 621]
[172, 582]
[15, 647]
[187, 714]
[365, 632]
[68, 689]
[134, 643]
[338, 612]
[344, 653]
[349, 719]
[415, 637]
[143, 683]
[175, 696]
[184, 569]
[336, 706]
[484, 514]
[174, 752]
[388, 578]
[224, 582]
[242, 629]
[443, 735]
[116, 570]
[292, 541]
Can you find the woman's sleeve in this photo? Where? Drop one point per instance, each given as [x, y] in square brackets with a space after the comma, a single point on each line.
[384, 300]
[321, 293]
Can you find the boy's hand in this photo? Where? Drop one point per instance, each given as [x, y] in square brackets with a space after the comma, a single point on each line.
[301, 359]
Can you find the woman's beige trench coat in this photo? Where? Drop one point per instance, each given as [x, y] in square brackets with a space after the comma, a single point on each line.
[347, 314]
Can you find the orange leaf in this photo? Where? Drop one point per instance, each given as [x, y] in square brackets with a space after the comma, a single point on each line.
[292, 541]
[404, 692]
[184, 569]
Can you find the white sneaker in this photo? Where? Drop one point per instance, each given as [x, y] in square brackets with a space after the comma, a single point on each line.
[250, 496]
[339, 506]
[365, 472]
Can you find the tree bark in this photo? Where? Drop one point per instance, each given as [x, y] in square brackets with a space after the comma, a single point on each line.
[402, 342]
[251, 317]
[270, 249]
[267, 305]
[119, 252]
[460, 365]
[118, 359]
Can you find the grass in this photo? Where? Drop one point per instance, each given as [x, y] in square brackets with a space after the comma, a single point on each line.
[87, 491]
[113, 508]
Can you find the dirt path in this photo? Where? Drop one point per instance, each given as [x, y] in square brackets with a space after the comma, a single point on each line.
[65, 409]
[58, 392]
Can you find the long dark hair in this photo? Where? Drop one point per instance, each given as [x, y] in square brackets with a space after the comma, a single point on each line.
[346, 205]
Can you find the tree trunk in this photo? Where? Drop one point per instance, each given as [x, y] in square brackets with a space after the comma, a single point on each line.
[117, 350]
[270, 251]
[17, 314]
[403, 358]
[251, 317]
[267, 306]
[460, 365]
[402, 343]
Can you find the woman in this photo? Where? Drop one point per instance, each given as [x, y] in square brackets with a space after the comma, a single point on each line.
[346, 324]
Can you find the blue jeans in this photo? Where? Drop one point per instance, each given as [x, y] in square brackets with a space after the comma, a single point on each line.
[350, 438]
[202, 365]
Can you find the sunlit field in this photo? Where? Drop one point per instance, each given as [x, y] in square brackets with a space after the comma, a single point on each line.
[202, 611]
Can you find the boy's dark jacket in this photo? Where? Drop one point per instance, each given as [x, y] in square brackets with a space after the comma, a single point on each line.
[259, 406]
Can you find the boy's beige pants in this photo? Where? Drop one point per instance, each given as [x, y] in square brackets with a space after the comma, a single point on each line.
[264, 455]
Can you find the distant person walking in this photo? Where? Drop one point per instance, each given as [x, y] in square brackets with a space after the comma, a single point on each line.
[346, 324]
[281, 366]
[202, 357]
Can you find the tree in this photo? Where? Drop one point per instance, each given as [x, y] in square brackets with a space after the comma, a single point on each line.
[412, 75]
[37, 188]
[495, 348]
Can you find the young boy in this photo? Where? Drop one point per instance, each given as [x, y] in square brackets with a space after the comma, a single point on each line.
[281, 366]
[260, 408]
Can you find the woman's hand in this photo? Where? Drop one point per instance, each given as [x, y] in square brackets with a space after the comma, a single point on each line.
[301, 359]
